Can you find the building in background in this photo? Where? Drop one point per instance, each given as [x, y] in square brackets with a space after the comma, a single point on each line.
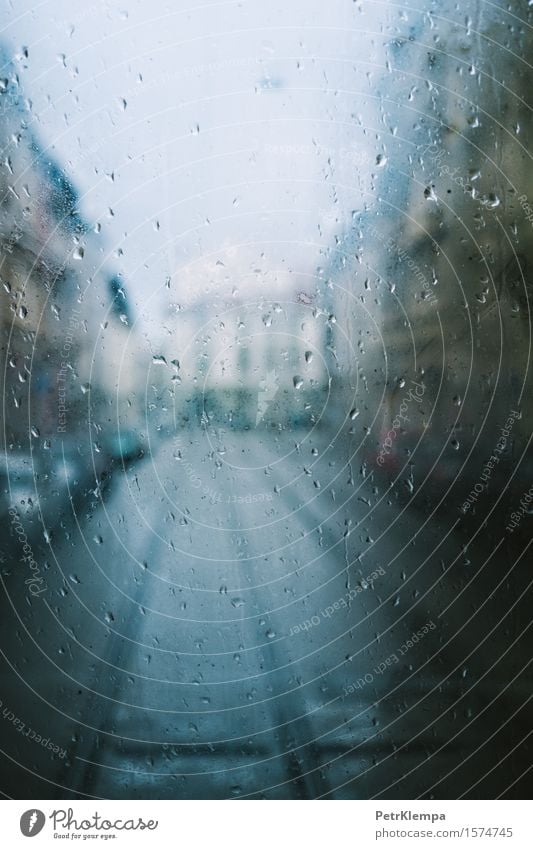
[69, 362]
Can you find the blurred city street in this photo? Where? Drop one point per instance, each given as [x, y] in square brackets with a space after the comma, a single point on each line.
[232, 638]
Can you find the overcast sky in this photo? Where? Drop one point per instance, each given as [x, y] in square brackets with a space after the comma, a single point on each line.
[195, 130]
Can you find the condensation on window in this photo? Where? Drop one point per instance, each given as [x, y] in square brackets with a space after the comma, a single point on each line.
[265, 335]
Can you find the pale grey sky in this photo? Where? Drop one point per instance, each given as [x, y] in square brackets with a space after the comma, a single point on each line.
[191, 129]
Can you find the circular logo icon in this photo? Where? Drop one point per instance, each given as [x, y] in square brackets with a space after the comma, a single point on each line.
[32, 822]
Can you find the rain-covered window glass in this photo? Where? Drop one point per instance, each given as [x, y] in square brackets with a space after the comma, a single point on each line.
[266, 478]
